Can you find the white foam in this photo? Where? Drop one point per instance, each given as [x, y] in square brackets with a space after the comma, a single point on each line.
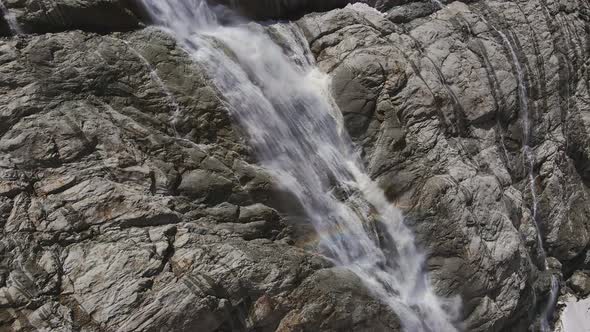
[282, 101]
[10, 19]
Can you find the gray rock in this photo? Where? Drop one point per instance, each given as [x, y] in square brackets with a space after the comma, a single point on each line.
[257, 212]
[580, 283]
[333, 298]
[411, 11]
[270, 9]
[129, 202]
[41, 16]
[205, 186]
[444, 137]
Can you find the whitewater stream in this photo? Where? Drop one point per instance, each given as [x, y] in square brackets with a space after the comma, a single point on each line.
[281, 100]
[10, 19]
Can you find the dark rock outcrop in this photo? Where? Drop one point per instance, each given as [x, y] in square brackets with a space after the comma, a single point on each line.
[128, 202]
[272, 9]
[42, 16]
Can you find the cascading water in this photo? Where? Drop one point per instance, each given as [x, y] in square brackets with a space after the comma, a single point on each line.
[549, 309]
[282, 102]
[10, 19]
[529, 157]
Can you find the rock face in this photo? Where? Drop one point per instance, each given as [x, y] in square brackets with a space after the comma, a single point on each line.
[435, 104]
[271, 9]
[42, 16]
[580, 283]
[129, 202]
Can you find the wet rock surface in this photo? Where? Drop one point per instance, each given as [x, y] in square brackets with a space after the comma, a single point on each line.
[433, 97]
[129, 202]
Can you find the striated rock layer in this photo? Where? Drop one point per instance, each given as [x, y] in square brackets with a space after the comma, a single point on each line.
[129, 202]
[435, 104]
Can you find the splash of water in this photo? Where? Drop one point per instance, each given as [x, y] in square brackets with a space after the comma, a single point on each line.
[283, 103]
[10, 19]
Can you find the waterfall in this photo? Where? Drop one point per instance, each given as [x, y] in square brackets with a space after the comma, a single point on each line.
[550, 306]
[529, 160]
[528, 154]
[282, 101]
[10, 19]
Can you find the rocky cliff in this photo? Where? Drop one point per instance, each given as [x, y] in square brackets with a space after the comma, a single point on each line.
[129, 200]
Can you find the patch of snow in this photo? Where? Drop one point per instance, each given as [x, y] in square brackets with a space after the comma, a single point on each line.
[575, 317]
[365, 9]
